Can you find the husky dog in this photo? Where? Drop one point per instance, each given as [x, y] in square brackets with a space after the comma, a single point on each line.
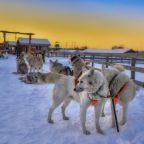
[57, 67]
[118, 79]
[21, 65]
[30, 78]
[78, 65]
[92, 84]
[35, 62]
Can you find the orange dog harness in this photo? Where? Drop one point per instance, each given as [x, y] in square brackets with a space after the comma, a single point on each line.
[119, 93]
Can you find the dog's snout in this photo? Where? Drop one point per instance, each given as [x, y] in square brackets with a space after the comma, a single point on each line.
[74, 89]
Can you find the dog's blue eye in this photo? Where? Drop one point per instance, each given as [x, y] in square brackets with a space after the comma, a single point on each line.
[81, 81]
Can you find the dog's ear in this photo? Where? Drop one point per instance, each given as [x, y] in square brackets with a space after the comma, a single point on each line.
[92, 71]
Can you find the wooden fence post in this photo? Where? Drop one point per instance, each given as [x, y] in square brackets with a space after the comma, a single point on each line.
[133, 63]
[93, 61]
[107, 60]
[84, 56]
[48, 53]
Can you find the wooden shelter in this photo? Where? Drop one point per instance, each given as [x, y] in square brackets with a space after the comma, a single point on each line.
[4, 32]
[37, 45]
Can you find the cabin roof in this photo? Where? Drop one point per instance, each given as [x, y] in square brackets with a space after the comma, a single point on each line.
[13, 43]
[34, 41]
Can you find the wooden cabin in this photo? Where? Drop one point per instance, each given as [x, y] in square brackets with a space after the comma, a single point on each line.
[37, 45]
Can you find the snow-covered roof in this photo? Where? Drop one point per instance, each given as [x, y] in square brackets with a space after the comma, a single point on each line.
[34, 41]
[11, 43]
[124, 50]
[67, 50]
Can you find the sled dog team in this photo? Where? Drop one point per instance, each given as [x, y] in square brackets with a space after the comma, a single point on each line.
[85, 86]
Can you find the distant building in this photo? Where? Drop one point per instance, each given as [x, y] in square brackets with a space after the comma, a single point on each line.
[1, 46]
[11, 47]
[37, 45]
[118, 50]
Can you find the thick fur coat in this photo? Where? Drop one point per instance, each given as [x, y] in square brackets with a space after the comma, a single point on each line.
[127, 95]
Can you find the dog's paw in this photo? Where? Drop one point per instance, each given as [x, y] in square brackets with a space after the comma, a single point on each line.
[66, 118]
[122, 123]
[50, 121]
[86, 132]
[100, 131]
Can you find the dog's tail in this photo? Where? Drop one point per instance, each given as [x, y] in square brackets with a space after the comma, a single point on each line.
[50, 77]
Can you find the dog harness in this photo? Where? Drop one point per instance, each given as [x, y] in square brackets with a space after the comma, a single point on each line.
[92, 96]
[76, 79]
[115, 97]
[120, 92]
[93, 100]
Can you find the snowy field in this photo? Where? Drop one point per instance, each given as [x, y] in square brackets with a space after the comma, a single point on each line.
[24, 109]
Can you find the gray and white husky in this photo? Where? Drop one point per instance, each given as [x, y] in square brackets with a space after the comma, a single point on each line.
[35, 62]
[94, 84]
[57, 67]
[117, 78]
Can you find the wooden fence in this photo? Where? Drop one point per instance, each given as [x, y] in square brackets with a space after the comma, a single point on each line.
[131, 59]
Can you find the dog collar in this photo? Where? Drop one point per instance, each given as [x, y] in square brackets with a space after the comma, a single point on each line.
[94, 94]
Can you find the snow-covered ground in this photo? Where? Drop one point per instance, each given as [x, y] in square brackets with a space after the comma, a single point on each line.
[24, 108]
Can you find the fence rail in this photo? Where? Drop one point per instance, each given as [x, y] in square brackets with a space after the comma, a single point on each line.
[109, 59]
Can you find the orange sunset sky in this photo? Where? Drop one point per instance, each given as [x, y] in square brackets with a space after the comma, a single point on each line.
[92, 23]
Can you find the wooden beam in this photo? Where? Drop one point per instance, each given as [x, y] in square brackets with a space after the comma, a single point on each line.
[119, 55]
[3, 31]
[29, 47]
[139, 83]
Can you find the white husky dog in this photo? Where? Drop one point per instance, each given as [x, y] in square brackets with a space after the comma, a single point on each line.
[121, 84]
[94, 85]
[91, 83]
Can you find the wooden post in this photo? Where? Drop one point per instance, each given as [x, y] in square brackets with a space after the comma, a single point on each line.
[29, 47]
[133, 62]
[84, 57]
[93, 61]
[4, 40]
[47, 52]
[4, 37]
[107, 60]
